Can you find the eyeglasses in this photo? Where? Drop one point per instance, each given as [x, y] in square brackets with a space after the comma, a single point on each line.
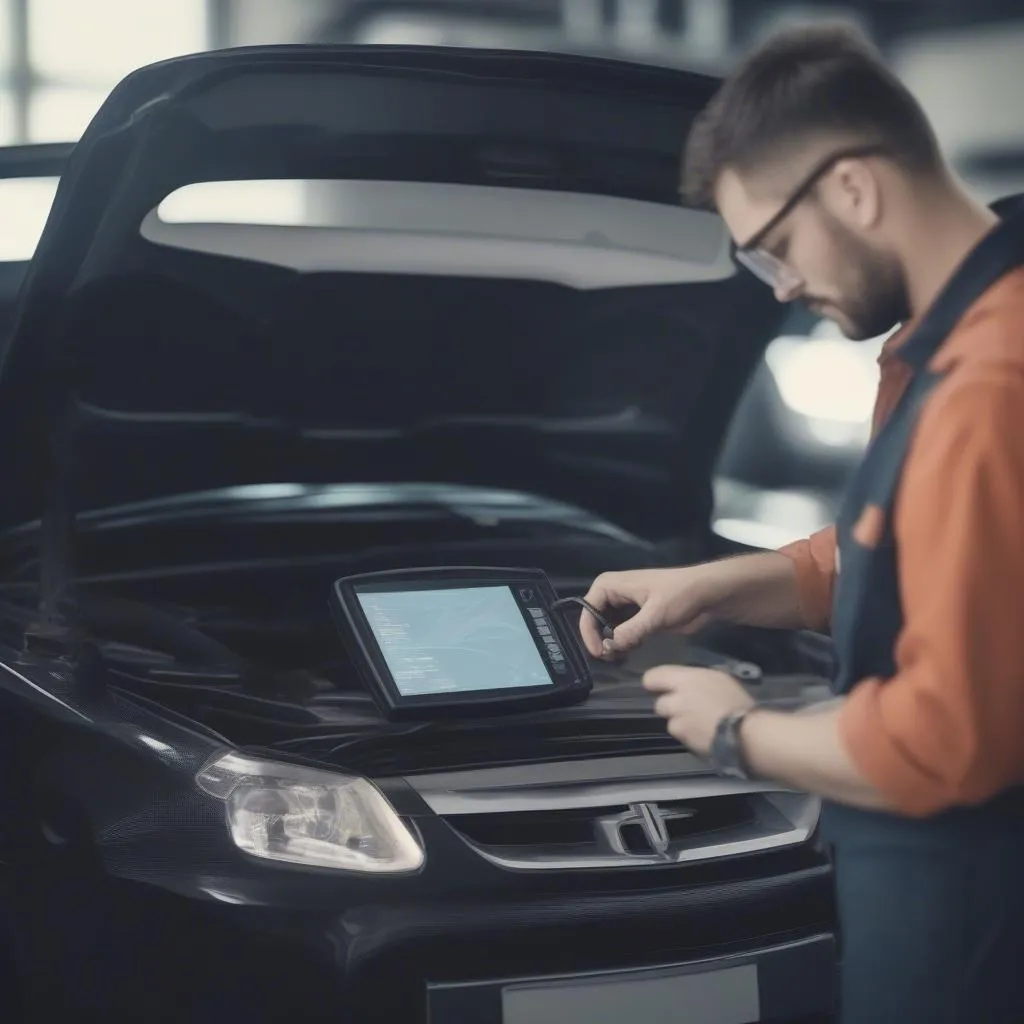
[765, 266]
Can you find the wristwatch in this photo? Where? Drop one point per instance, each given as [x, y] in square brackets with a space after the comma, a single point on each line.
[726, 754]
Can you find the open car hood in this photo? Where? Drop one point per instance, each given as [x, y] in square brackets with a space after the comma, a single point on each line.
[142, 366]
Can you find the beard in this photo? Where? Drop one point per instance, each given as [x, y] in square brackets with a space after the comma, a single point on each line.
[874, 294]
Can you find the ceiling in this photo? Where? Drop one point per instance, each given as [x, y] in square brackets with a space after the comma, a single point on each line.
[722, 27]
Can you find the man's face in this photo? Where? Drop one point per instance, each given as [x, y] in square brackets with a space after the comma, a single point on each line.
[840, 267]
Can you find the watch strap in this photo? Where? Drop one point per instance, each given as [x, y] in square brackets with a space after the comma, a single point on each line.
[726, 754]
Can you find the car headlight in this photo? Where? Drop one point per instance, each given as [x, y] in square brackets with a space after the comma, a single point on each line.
[302, 816]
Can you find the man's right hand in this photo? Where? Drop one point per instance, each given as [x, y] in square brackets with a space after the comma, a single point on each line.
[755, 590]
[668, 600]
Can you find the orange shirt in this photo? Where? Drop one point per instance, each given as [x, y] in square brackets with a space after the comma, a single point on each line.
[948, 728]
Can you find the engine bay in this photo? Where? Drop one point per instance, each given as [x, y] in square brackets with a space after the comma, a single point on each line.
[225, 619]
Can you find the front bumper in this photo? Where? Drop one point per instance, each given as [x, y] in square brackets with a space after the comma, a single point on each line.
[424, 963]
[127, 951]
[787, 982]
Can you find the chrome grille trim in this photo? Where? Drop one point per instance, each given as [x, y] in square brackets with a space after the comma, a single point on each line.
[559, 797]
[553, 862]
[465, 792]
[619, 789]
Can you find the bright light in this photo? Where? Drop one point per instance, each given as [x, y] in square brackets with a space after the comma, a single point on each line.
[266, 492]
[24, 206]
[580, 240]
[766, 518]
[769, 536]
[838, 433]
[237, 202]
[825, 378]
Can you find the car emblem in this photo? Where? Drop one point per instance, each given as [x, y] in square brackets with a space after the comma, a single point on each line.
[652, 823]
[651, 820]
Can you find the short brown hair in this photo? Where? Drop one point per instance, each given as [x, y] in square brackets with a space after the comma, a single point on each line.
[801, 82]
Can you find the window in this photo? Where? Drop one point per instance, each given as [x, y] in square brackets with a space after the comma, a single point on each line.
[24, 206]
[61, 114]
[6, 36]
[101, 41]
[59, 59]
[8, 118]
[8, 132]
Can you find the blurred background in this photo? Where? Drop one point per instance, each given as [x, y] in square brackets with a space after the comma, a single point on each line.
[804, 419]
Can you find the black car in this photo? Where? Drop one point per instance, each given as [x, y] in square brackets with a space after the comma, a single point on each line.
[464, 320]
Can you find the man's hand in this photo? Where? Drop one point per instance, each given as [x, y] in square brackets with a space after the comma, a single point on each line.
[801, 751]
[666, 600]
[758, 590]
[693, 701]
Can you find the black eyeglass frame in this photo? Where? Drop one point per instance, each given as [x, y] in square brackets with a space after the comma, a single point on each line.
[802, 190]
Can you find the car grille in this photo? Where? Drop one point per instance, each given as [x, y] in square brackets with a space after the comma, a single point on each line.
[596, 824]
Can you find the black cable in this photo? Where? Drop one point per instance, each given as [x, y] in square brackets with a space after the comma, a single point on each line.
[607, 629]
[741, 671]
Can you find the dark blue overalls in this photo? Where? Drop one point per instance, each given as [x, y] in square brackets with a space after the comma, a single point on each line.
[932, 910]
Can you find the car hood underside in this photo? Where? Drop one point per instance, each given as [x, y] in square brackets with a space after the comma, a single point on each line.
[136, 370]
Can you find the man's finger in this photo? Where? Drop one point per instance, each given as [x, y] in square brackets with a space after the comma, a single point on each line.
[591, 634]
[668, 705]
[664, 678]
[633, 632]
[599, 597]
[677, 730]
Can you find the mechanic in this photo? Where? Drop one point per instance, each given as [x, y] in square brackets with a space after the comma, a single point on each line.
[830, 180]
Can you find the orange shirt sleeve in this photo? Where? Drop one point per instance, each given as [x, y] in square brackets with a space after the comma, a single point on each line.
[815, 562]
[947, 729]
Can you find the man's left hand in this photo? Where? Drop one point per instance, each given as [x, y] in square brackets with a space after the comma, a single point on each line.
[693, 701]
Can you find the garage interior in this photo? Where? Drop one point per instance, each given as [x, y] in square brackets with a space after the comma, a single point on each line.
[803, 421]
